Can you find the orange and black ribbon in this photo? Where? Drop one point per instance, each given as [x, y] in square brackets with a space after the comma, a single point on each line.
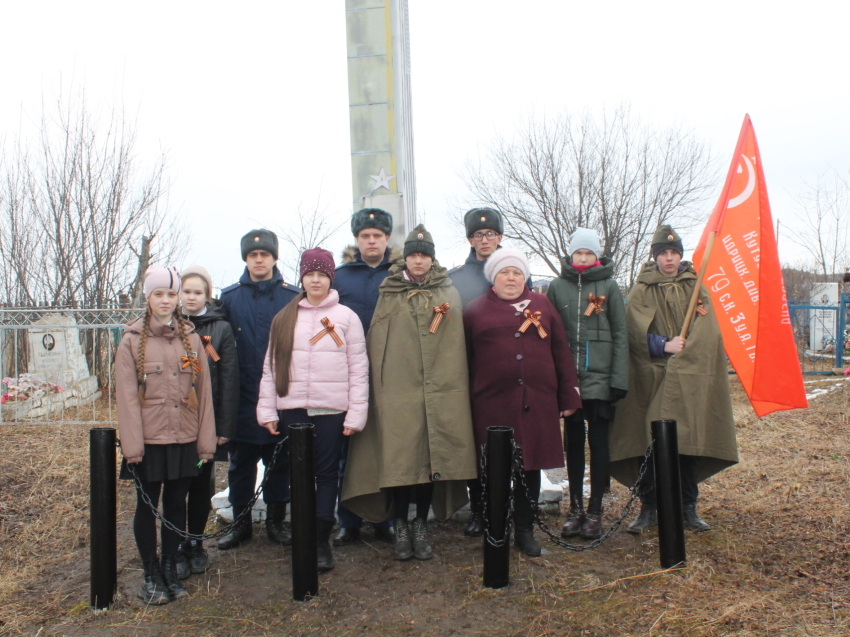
[439, 312]
[209, 349]
[329, 329]
[701, 309]
[193, 361]
[533, 319]
[595, 302]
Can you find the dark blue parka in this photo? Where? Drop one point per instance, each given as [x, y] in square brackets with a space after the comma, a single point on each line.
[357, 283]
[469, 278]
[251, 306]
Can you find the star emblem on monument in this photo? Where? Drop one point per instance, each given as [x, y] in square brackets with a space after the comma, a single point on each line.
[382, 180]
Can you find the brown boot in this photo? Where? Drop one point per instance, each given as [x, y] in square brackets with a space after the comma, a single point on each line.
[592, 527]
[575, 518]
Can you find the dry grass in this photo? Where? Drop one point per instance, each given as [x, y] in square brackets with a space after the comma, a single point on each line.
[776, 562]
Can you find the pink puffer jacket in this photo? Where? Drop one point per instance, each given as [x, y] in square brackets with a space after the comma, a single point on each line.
[323, 375]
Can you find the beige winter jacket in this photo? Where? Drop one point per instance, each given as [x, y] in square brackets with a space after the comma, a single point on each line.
[164, 418]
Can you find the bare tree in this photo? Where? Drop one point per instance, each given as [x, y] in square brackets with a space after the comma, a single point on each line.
[311, 230]
[74, 203]
[825, 215]
[611, 173]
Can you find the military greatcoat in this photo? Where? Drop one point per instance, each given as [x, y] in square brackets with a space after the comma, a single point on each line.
[419, 427]
[691, 387]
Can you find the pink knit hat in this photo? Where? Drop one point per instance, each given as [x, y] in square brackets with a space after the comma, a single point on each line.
[317, 260]
[158, 276]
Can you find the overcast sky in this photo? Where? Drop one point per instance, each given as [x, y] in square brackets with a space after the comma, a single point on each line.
[250, 100]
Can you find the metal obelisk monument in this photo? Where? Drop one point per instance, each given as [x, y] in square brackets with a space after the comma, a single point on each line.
[379, 110]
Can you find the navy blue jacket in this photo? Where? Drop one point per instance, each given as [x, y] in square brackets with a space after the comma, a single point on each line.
[469, 280]
[251, 306]
[357, 283]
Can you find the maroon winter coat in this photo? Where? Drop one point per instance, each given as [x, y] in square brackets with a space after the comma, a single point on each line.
[518, 379]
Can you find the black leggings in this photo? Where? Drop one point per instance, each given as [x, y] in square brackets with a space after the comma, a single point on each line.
[173, 509]
[201, 492]
[597, 437]
[419, 493]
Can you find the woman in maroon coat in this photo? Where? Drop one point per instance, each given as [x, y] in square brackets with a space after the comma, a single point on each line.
[522, 375]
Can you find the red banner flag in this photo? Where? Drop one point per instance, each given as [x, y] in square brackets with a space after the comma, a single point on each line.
[744, 279]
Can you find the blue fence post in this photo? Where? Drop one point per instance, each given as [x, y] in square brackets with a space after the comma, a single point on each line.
[839, 337]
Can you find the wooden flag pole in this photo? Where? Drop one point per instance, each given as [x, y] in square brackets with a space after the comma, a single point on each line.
[692, 306]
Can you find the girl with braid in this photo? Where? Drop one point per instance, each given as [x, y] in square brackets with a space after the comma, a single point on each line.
[166, 423]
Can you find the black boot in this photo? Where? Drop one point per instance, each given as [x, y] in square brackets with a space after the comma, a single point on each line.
[275, 528]
[648, 517]
[323, 546]
[344, 536]
[169, 573]
[475, 527]
[183, 568]
[524, 539]
[422, 549]
[154, 591]
[524, 514]
[693, 521]
[403, 542]
[199, 561]
[592, 527]
[241, 532]
[575, 518]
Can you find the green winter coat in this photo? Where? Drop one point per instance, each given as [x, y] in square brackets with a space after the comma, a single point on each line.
[598, 342]
[691, 387]
[420, 423]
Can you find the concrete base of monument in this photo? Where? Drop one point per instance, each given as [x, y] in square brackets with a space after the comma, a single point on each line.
[550, 497]
[50, 405]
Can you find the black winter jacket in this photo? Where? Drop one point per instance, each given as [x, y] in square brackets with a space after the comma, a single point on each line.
[224, 373]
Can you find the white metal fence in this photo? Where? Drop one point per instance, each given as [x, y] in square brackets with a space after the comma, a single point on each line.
[56, 364]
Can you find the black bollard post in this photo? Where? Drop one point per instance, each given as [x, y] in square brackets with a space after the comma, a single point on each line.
[103, 558]
[302, 467]
[497, 559]
[668, 483]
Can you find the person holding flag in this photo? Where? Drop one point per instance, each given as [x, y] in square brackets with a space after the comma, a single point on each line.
[673, 377]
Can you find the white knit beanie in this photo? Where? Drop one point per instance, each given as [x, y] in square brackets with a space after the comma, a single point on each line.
[200, 272]
[503, 258]
[585, 239]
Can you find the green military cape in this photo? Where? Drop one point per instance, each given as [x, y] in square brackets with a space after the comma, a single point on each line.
[420, 423]
[691, 387]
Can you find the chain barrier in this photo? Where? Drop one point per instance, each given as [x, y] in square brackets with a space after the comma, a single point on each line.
[519, 478]
[221, 532]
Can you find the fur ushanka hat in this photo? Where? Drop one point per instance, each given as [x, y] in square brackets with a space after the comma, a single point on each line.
[260, 239]
[482, 219]
[371, 218]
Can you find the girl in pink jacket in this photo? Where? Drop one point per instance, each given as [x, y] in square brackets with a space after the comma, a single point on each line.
[166, 422]
[316, 371]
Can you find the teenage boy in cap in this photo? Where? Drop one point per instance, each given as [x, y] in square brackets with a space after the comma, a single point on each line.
[251, 304]
[484, 232]
[675, 378]
[364, 267]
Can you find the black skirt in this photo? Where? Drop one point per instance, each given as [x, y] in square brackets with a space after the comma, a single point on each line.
[165, 462]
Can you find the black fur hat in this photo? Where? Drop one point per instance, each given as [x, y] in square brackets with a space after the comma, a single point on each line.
[482, 219]
[260, 239]
[371, 218]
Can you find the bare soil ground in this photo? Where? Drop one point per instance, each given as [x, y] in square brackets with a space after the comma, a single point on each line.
[777, 561]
